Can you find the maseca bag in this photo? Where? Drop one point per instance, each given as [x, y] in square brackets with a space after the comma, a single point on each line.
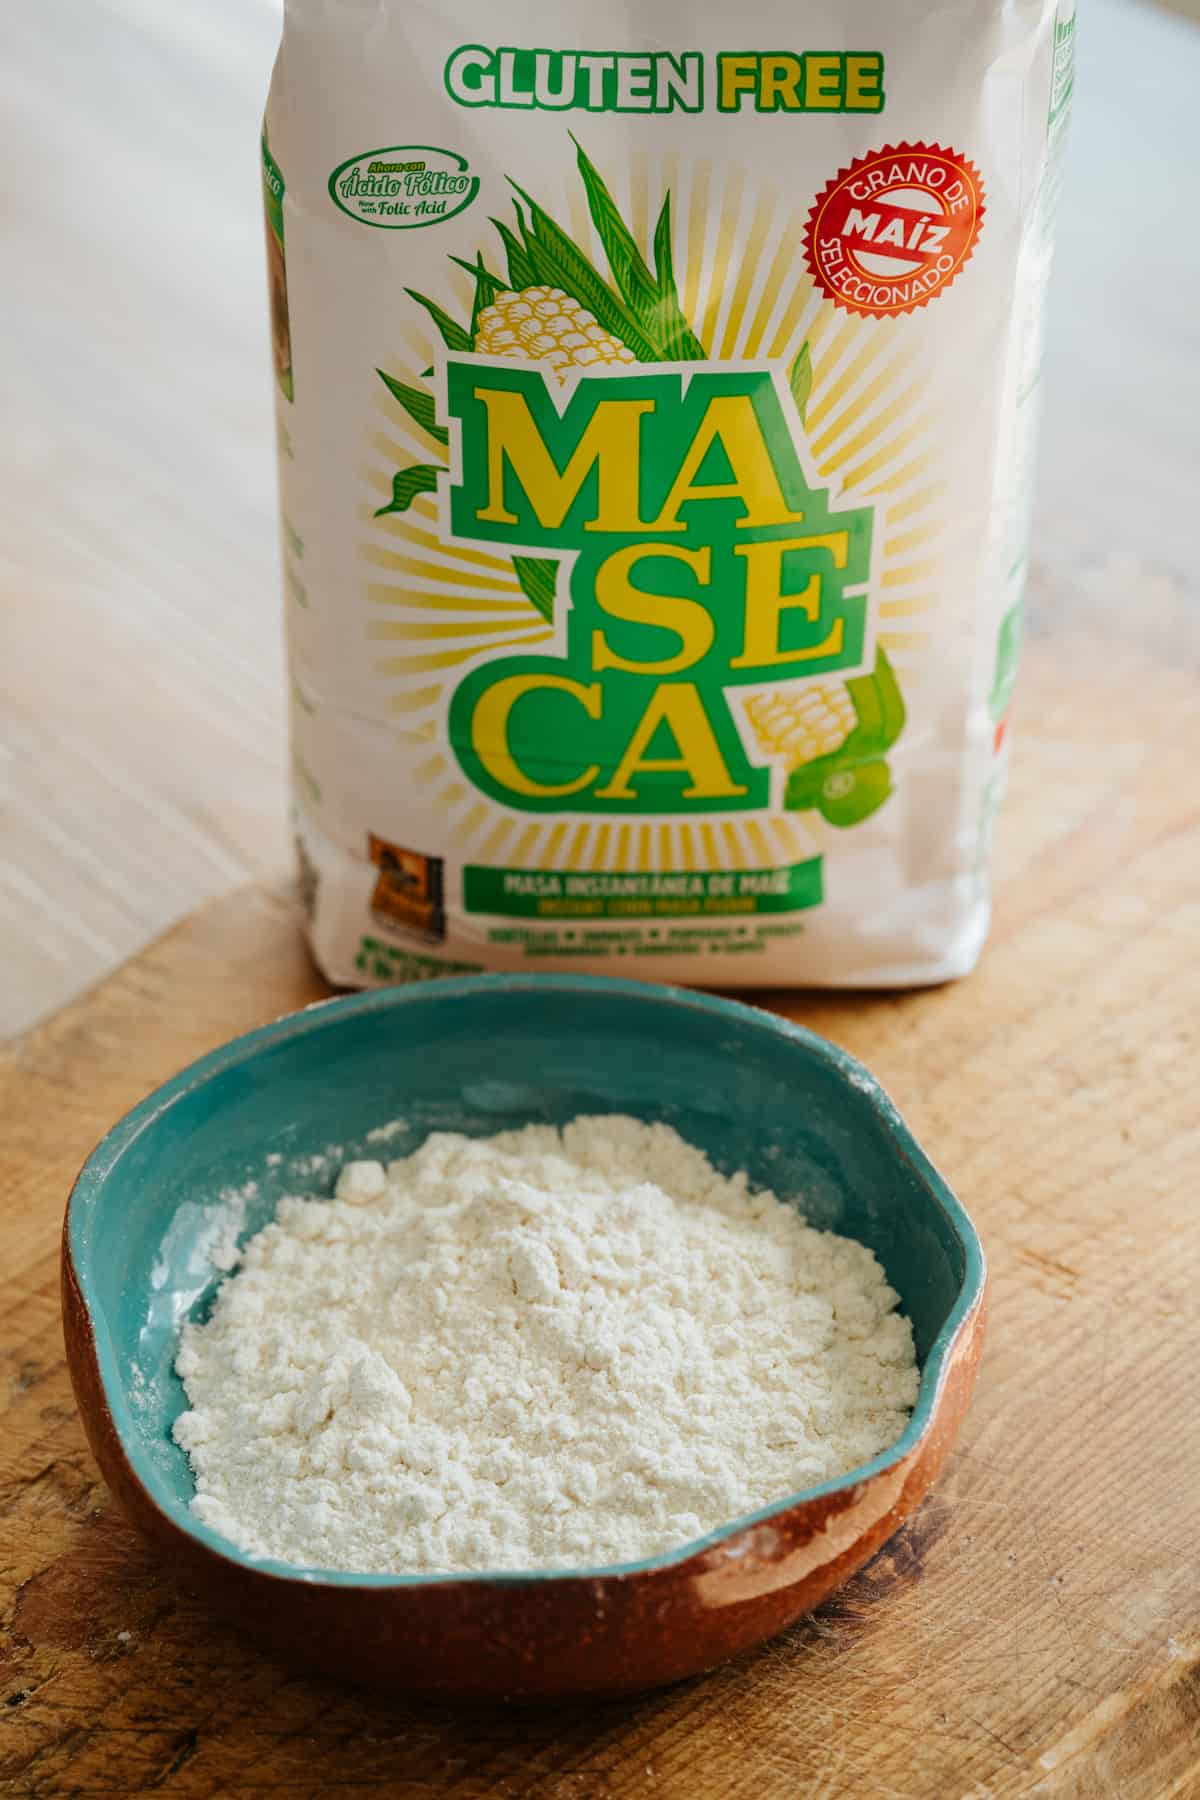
[655, 420]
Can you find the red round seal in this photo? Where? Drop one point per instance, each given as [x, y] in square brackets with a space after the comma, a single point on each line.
[893, 229]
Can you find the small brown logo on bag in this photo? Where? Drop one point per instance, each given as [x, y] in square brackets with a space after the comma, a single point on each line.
[409, 889]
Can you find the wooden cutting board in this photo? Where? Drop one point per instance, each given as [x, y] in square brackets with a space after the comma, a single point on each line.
[1036, 1629]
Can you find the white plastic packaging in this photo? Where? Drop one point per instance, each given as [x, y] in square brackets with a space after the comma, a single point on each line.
[655, 424]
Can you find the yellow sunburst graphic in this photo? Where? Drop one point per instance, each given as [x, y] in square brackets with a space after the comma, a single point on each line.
[436, 608]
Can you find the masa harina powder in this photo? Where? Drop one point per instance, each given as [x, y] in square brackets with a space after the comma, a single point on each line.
[537, 1350]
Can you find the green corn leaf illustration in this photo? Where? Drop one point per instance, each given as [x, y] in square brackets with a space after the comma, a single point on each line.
[418, 405]
[800, 377]
[559, 262]
[850, 797]
[546, 271]
[803, 790]
[843, 794]
[880, 708]
[420, 478]
[570, 270]
[892, 700]
[881, 715]
[1008, 656]
[679, 341]
[537, 575]
[487, 286]
[520, 269]
[635, 283]
[451, 332]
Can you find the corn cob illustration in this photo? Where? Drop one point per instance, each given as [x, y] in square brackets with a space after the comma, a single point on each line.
[803, 723]
[544, 324]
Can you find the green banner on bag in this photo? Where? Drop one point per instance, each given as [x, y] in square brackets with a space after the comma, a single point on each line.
[605, 894]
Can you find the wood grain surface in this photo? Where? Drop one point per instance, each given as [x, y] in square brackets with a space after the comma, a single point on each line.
[142, 736]
[1036, 1631]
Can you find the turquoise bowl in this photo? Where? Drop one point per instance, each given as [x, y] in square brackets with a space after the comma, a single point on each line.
[482, 1055]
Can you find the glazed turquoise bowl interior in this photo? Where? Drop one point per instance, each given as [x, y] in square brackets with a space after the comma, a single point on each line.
[277, 1111]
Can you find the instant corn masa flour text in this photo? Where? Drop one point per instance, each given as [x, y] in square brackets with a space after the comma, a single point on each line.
[655, 422]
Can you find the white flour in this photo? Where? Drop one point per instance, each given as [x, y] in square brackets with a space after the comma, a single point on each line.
[534, 1350]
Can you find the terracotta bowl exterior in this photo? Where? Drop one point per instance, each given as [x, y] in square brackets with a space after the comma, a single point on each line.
[482, 1055]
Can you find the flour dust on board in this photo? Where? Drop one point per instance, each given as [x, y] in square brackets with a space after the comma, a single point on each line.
[655, 425]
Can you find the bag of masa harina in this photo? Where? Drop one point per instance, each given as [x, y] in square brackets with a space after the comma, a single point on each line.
[656, 391]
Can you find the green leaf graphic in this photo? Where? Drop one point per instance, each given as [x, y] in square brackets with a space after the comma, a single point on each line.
[800, 377]
[636, 285]
[852, 796]
[420, 478]
[417, 404]
[1008, 657]
[803, 790]
[881, 715]
[559, 262]
[679, 342]
[537, 576]
[452, 333]
[880, 708]
[487, 286]
[520, 269]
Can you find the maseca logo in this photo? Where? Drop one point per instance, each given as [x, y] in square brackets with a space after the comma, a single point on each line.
[893, 229]
[703, 557]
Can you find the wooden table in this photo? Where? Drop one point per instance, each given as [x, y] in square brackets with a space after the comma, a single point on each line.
[1035, 1631]
[142, 735]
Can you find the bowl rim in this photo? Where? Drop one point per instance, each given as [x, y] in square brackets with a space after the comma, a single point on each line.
[313, 1017]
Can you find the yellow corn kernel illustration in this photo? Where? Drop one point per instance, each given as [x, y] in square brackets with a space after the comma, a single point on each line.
[803, 723]
[543, 324]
